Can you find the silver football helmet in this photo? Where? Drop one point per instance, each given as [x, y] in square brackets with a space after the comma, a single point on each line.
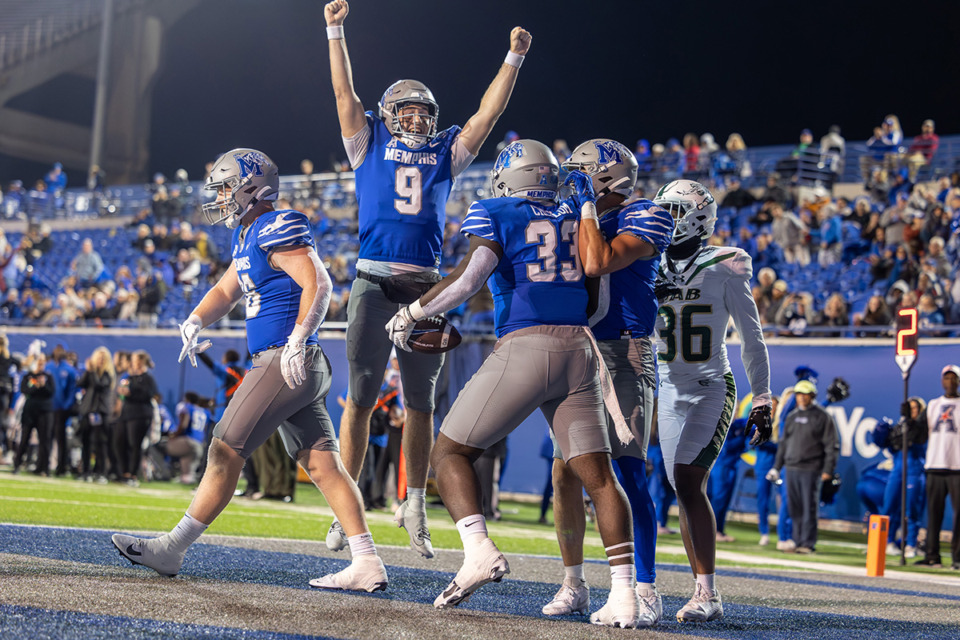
[400, 94]
[692, 206]
[246, 177]
[611, 166]
[527, 169]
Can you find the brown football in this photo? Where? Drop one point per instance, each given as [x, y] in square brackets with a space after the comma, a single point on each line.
[434, 335]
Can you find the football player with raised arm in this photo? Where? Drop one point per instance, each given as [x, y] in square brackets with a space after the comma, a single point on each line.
[622, 244]
[276, 269]
[545, 358]
[700, 288]
[404, 168]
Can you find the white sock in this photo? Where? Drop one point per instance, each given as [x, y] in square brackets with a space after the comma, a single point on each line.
[416, 495]
[574, 573]
[623, 575]
[646, 588]
[362, 545]
[473, 531]
[707, 581]
[185, 533]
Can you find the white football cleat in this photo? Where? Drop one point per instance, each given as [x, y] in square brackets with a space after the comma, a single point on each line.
[764, 540]
[571, 598]
[651, 608]
[415, 522]
[483, 566]
[704, 606]
[336, 538]
[788, 546]
[622, 609]
[145, 551]
[365, 573]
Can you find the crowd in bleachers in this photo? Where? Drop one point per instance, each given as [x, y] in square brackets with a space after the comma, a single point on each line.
[823, 265]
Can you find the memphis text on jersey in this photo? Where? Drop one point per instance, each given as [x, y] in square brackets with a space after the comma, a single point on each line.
[409, 157]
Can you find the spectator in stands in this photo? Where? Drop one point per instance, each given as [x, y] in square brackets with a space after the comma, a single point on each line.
[143, 235]
[899, 185]
[97, 382]
[936, 256]
[561, 149]
[790, 234]
[691, 155]
[151, 291]
[642, 153]
[737, 152]
[37, 242]
[56, 180]
[894, 219]
[778, 294]
[37, 414]
[209, 253]
[161, 238]
[883, 148]
[834, 314]
[768, 252]
[138, 393]
[831, 238]
[774, 191]
[796, 314]
[158, 196]
[929, 314]
[833, 143]
[675, 159]
[184, 238]
[308, 187]
[187, 268]
[877, 185]
[88, 265]
[806, 139]
[736, 196]
[922, 149]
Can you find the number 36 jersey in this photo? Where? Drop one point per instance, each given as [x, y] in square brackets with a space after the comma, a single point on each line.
[711, 287]
[539, 279]
[271, 296]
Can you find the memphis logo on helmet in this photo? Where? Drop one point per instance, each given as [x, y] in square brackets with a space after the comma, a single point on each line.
[250, 162]
[610, 151]
[513, 150]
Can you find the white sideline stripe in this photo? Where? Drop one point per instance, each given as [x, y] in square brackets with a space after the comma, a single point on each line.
[859, 572]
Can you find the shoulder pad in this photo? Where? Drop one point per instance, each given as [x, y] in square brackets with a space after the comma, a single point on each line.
[284, 228]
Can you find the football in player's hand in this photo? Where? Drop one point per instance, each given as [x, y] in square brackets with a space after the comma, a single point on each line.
[434, 335]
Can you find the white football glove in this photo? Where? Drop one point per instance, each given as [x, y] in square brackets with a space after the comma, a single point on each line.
[400, 327]
[189, 330]
[773, 476]
[292, 367]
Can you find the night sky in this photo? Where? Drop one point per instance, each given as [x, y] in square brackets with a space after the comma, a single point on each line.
[255, 73]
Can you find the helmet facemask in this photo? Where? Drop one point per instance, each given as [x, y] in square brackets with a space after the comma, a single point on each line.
[413, 139]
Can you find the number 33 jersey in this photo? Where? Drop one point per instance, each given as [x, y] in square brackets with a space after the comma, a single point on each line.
[539, 279]
[272, 297]
[711, 287]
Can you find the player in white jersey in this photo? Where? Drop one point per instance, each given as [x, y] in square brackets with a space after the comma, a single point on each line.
[700, 288]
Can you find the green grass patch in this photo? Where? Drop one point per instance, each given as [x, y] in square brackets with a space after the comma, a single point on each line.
[26, 499]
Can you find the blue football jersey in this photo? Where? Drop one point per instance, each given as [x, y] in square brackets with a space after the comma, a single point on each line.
[402, 194]
[633, 306]
[539, 279]
[272, 296]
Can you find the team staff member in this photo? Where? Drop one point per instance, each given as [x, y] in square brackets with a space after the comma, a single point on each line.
[808, 450]
[404, 169]
[287, 290]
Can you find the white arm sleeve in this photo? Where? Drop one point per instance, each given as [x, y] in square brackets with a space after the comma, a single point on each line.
[753, 350]
[460, 157]
[603, 302]
[482, 263]
[356, 146]
[321, 301]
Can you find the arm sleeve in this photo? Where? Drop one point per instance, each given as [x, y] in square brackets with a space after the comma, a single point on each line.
[357, 145]
[482, 263]
[460, 157]
[742, 307]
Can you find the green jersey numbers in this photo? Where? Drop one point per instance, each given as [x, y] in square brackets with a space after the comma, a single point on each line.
[693, 341]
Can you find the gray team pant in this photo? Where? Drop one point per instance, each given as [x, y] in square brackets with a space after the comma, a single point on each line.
[803, 503]
[263, 401]
[553, 368]
[630, 363]
[368, 349]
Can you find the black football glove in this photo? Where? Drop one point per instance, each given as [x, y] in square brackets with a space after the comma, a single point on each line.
[761, 418]
[663, 289]
[838, 390]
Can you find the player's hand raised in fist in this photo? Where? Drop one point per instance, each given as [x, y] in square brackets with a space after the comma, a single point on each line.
[335, 12]
[520, 39]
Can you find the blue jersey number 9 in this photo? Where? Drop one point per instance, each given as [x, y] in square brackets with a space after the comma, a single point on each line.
[409, 186]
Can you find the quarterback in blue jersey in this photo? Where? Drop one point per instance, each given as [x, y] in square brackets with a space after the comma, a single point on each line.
[404, 167]
[545, 357]
[286, 289]
[623, 246]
